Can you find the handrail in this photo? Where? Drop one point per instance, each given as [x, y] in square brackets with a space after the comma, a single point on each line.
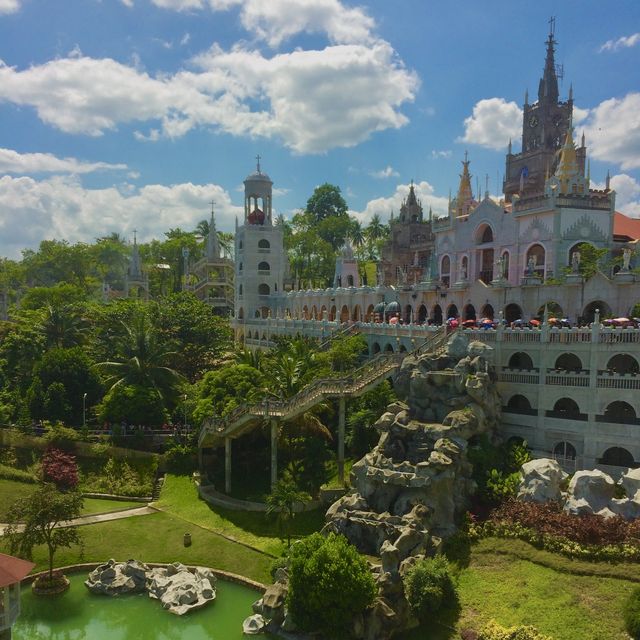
[372, 371]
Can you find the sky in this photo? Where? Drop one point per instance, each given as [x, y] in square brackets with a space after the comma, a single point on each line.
[118, 115]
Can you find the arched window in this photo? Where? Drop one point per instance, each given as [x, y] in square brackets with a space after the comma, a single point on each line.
[314, 312]
[469, 312]
[553, 308]
[512, 312]
[521, 360]
[569, 362]
[535, 261]
[588, 315]
[264, 266]
[617, 457]
[422, 314]
[349, 280]
[305, 312]
[240, 245]
[370, 312]
[355, 316]
[564, 451]
[567, 408]
[620, 412]
[264, 244]
[389, 348]
[264, 312]
[240, 289]
[240, 267]
[487, 235]
[437, 315]
[487, 311]
[241, 314]
[445, 270]
[332, 314]
[408, 312]
[344, 314]
[519, 404]
[403, 349]
[623, 363]
[452, 311]
[263, 289]
[376, 347]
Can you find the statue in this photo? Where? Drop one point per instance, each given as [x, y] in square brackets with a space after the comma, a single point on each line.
[500, 268]
[378, 276]
[531, 265]
[403, 276]
[463, 268]
[575, 262]
[626, 259]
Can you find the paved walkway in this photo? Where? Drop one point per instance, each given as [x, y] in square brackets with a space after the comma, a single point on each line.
[100, 517]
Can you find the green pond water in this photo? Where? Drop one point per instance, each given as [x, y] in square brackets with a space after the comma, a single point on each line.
[80, 615]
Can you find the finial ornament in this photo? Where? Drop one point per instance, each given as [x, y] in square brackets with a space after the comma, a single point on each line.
[135, 231]
[258, 162]
[571, 91]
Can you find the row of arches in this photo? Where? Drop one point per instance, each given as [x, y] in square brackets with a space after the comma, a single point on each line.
[621, 363]
[567, 408]
[613, 456]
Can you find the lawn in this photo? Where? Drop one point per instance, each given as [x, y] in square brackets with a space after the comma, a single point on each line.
[10, 491]
[159, 538]
[180, 498]
[496, 581]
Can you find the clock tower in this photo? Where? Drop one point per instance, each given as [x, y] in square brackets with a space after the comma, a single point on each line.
[544, 128]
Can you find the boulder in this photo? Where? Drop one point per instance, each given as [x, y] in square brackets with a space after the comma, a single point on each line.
[114, 578]
[631, 483]
[541, 480]
[253, 625]
[590, 492]
[273, 602]
[180, 590]
[457, 346]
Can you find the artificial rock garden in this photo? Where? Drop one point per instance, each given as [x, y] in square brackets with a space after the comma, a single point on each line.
[410, 489]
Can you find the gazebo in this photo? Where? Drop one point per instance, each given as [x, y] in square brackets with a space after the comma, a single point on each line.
[12, 571]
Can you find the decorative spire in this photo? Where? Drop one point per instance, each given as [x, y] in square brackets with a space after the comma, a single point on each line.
[568, 177]
[548, 89]
[608, 181]
[464, 199]
[509, 151]
[258, 163]
[583, 140]
[571, 91]
[526, 96]
[430, 214]
[411, 199]
[135, 268]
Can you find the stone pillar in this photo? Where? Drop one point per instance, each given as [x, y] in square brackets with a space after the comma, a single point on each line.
[274, 452]
[227, 465]
[341, 420]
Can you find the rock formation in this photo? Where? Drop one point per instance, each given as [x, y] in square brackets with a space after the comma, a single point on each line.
[410, 489]
[178, 588]
[588, 492]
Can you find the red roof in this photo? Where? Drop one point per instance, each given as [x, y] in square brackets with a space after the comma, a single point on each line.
[12, 569]
[626, 226]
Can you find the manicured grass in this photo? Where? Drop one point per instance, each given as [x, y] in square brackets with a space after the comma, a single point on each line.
[180, 498]
[10, 491]
[159, 538]
[496, 582]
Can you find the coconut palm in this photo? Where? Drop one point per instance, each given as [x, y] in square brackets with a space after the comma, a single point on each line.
[61, 326]
[283, 501]
[142, 360]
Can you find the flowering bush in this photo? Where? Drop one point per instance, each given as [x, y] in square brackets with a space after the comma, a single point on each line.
[60, 468]
[495, 631]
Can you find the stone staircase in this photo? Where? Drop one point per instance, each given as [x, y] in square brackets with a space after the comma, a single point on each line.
[368, 376]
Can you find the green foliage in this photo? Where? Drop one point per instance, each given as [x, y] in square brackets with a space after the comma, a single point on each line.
[326, 201]
[200, 337]
[329, 583]
[120, 478]
[429, 587]
[283, 501]
[133, 404]
[222, 390]
[11, 473]
[343, 355]
[495, 631]
[61, 437]
[180, 459]
[57, 296]
[40, 513]
[591, 259]
[632, 614]
[501, 486]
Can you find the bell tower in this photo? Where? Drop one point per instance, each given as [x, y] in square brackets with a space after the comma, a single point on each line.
[545, 125]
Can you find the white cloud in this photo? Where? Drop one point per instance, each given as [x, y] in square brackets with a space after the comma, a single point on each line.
[613, 131]
[277, 20]
[311, 100]
[27, 163]
[9, 6]
[443, 153]
[59, 207]
[384, 206]
[185, 39]
[627, 191]
[493, 122]
[387, 172]
[579, 115]
[621, 43]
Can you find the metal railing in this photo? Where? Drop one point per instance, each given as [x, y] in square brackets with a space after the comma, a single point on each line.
[355, 383]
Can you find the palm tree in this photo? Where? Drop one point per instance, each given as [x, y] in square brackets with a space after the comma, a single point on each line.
[61, 326]
[356, 234]
[143, 361]
[282, 502]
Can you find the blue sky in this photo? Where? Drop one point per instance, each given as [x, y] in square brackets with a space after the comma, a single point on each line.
[123, 114]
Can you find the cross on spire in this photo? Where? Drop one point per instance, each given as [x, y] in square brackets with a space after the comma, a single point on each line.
[135, 231]
[258, 162]
[552, 26]
[212, 203]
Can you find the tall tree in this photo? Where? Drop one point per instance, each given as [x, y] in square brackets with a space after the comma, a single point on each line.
[326, 201]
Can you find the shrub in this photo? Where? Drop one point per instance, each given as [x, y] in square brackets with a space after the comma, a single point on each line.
[329, 583]
[495, 631]
[61, 437]
[9, 473]
[180, 459]
[429, 587]
[60, 468]
[632, 614]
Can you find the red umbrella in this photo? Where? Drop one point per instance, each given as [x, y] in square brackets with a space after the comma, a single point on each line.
[534, 322]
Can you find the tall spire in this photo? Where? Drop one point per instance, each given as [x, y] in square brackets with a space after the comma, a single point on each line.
[464, 199]
[135, 268]
[548, 89]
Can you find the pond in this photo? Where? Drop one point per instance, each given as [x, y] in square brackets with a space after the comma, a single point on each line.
[80, 615]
